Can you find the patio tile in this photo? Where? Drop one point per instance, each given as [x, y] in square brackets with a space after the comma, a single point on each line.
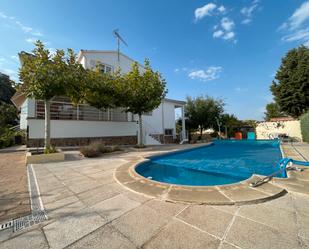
[207, 219]
[146, 188]
[63, 207]
[136, 196]
[141, 224]
[67, 230]
[301, 203]
[29, 240]
[84, 185]
[179, 235]
[210, 196]
[272, 216]
[93, 196]
[228, 246]
[303, 222]
[167, 208]
[56, 194]
[248, 234]
[104, 237]
[244, 194]
[114, 207]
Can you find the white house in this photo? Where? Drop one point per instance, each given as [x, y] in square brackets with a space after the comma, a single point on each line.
[79, 125]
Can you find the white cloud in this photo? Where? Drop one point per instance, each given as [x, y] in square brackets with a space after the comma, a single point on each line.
[229, 36]
[176, 70]
[227, 23]
[26, 29]
[300, 16]
[206, 10]
[222, 9]
[226, 32]
[218, 33]
[295, 28]
[31, 40]
[211, 73]
[240, 89]
[247, 12]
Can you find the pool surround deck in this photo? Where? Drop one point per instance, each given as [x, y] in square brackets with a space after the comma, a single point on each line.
[230, 194]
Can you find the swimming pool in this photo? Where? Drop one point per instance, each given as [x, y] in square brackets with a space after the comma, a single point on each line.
[223, 162]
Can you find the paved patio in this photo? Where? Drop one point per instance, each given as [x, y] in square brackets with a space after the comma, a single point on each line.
[87, 208]
[14, 196]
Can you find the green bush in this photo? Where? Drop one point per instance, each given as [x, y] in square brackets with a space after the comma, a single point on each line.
[96, 149]
[304, 125]
[6, 137]
[90, 151]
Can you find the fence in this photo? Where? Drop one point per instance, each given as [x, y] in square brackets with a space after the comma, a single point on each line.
[60, 110]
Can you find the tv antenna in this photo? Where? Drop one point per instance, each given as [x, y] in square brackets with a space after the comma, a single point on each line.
[119, 39]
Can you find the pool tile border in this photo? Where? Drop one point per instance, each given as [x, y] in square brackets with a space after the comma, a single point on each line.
[232, 194]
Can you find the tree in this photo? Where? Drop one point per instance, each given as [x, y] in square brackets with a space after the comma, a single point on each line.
[6, 88]
[141, 92]
[272, 111]
[291, 85]
[230, 122]
[46, 76]
[203, 111]
[8, 112]
[8, 115]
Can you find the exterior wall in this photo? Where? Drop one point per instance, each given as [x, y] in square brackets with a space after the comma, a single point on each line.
[108, 58]
[265, 130]
[79, 129]
[27, 110]
[169, 116]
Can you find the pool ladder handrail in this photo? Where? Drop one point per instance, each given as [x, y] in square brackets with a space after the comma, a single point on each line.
[283, 169]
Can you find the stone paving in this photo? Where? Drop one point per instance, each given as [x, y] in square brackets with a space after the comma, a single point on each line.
[87, 208]
[14, 196]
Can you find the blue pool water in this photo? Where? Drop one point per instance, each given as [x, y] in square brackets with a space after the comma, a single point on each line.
[223, 162]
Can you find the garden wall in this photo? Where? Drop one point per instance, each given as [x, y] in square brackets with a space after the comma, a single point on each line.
[267, 130]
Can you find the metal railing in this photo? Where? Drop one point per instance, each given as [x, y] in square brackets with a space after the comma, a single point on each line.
[60, 110]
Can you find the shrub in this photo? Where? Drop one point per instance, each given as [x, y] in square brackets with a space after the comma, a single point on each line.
[50, 150]
[95, 149]
[304, 125]
[6, 137]
[90, 151]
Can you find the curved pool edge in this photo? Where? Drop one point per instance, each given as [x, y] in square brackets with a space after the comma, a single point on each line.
[239, 193]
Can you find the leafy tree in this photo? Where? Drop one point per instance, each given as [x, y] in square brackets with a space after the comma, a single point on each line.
[8, 115]
[229, 123]
[103, 91]
[291, 85]
[45, 76]
[272, 111]
[202, 112]
[141, 92]
[6, 88]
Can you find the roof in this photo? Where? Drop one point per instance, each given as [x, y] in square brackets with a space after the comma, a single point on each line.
[178, 102]
[18, 99]
[281, 119]
[80, 53]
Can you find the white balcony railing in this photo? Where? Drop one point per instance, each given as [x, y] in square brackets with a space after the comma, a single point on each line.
[67, 111]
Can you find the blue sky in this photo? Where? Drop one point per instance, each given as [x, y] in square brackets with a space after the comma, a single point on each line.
[226, 49]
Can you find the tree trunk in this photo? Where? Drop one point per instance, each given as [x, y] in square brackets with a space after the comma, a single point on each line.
[140, 126]
[201, 132]
[47, 124]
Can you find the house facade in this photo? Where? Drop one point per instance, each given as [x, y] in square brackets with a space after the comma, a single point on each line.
[79, 125]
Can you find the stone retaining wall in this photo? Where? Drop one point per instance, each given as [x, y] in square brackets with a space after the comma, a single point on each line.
[122, 140]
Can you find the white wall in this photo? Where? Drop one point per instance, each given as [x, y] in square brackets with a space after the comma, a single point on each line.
[169, 115]
[265, 129]
[73, 128]
[109, 58]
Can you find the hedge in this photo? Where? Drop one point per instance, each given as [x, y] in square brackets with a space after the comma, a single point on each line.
[304, 125]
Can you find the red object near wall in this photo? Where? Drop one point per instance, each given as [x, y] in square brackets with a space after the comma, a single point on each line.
[238, 135]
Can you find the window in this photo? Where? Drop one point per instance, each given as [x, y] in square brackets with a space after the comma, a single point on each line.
[168, 132]
[147, 113]
[105, 68]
